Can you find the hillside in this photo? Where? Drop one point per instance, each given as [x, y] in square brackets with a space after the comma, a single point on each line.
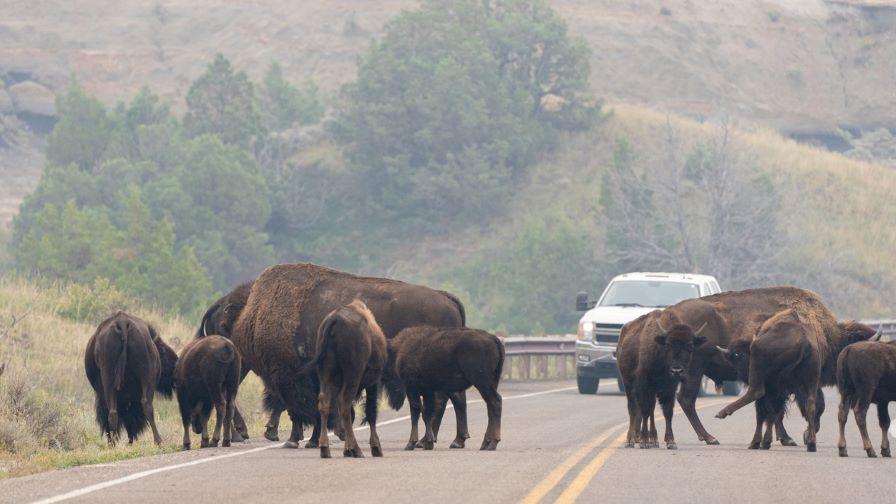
[804, 67]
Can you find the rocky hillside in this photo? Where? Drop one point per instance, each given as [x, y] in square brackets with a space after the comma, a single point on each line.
[805, 67]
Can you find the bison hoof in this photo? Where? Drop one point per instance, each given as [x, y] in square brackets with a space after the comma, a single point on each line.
[644, 446]
[204, 443]
[225, 443]
[324, 452]
[428, 445]
[753, 446]
[885, 452]
[810, 447]
[722, 414]
[871, 453]
[457, 444]
[712, 441]
[290, 444]
[766, 446]
[186, 447]
[671, 446]
[355, 453]
[843, 453]
[419, 444]
[376, 451]
[629, 445]
[311, 444]
[489, 445]
[788, 442]
[236, 437]
[214, 443]
[271, 435]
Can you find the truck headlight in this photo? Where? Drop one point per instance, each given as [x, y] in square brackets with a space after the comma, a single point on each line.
[586, 331]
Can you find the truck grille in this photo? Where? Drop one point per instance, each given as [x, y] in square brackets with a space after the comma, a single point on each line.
[607, 333]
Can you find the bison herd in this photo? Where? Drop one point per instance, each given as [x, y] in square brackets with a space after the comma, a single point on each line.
[781, 341]
[317, 338]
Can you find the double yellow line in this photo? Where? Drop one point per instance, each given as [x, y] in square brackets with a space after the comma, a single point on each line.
[583, 479]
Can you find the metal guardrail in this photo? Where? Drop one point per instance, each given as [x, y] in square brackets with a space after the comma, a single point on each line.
[531, 353]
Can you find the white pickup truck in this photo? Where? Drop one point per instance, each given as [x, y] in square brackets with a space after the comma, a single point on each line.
[626, 298]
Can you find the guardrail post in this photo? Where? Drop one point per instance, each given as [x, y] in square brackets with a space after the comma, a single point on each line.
[525, 362]
[561, 367]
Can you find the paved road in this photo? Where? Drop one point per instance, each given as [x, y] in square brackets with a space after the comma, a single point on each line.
[558, 446]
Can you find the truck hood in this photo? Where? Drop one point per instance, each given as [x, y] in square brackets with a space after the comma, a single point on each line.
[614, 314]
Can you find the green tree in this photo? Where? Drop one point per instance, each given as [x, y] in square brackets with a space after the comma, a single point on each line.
[222, 102]
[82, 132]
[444, 114]
[283, 105]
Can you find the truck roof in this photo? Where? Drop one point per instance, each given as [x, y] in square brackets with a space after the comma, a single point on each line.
[666, 277]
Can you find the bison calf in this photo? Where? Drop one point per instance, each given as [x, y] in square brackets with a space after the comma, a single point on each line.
[430, 360]
[126, 361]
[351, 355]
[207, 375]
[866, 373]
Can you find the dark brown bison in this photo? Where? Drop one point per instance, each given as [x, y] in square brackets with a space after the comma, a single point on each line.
[351, 355]
[207, 376]
[429, 360]
[654, 355]
[126, 362]
[866, 373]
[796, 350]
[277, 330]
[724, 318]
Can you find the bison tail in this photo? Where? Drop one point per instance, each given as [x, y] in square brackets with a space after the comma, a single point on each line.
[396, 393]
[845, 382]
[460, 307]
[324, 339]
[501, 355]
[122, 361]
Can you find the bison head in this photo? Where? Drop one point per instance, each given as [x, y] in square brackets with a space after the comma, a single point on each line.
[677, 346]
[738, 355]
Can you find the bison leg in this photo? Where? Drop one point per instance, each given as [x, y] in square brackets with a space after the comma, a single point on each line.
[812, 428]
[371, 407]
[186, 440]
[459, 400]
[346, 398]
[272, 427]
[842, 417]
[646, 402]
[428, 408]
[633, 419]
[323, 406]
[229, 431]
[754, 393]
[492, 398]
[687, 398]
[316, 429]
[239, 424]
[415, 407]
[111, 397]
[861, 413]
[782, 434]
[220, 408]
[667, 402]
[441, 403]
[149, 413]
[757, 434]
[203, 442]
[883, 418]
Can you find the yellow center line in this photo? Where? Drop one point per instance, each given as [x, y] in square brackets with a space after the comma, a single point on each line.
[556, 476]
[581, 482]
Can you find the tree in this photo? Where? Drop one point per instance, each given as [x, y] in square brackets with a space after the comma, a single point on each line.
[282, 105]
[446, 111]
[82, 132]
[706, 209]
[222, 102]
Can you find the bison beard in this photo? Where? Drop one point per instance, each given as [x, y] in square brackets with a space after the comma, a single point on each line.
[276, 330]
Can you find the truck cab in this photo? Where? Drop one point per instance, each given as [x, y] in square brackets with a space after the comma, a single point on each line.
[626, 298]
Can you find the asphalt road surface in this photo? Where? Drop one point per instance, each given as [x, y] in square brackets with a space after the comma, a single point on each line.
[557, 446]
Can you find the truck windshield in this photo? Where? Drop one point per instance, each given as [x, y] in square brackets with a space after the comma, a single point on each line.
[648, 293]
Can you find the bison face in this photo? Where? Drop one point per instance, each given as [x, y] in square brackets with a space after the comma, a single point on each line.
[738, 355]
[677, 348]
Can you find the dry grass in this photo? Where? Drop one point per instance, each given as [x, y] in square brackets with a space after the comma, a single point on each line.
[46, 403]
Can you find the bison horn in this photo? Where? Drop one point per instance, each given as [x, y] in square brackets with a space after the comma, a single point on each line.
[698, 331]
[662, 329]
[724, 351]
[878, 334]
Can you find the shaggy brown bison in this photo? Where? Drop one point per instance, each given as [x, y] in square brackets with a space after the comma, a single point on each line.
[207, 376]
[866, 373]
[655, 353]
[796, 350]
[277, 330]
[351, 355]
[429, 360]
[725, 318]
[126, 362]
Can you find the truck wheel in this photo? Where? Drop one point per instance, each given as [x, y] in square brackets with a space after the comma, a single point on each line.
[620, 384]
[587, 385]
[731, 388]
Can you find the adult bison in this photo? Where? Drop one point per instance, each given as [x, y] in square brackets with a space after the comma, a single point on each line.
[796, 351]
[276, 331]
[866, 373]
[126, 362]
[724, 318]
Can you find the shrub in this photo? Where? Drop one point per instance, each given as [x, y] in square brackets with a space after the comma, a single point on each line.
[90, 303]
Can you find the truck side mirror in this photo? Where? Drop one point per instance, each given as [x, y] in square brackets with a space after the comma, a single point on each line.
[582, 301]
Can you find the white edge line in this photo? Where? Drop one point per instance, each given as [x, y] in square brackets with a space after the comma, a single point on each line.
[142, 474]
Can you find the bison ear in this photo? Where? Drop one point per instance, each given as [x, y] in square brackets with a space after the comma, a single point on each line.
[699, 340]
[660, 340]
